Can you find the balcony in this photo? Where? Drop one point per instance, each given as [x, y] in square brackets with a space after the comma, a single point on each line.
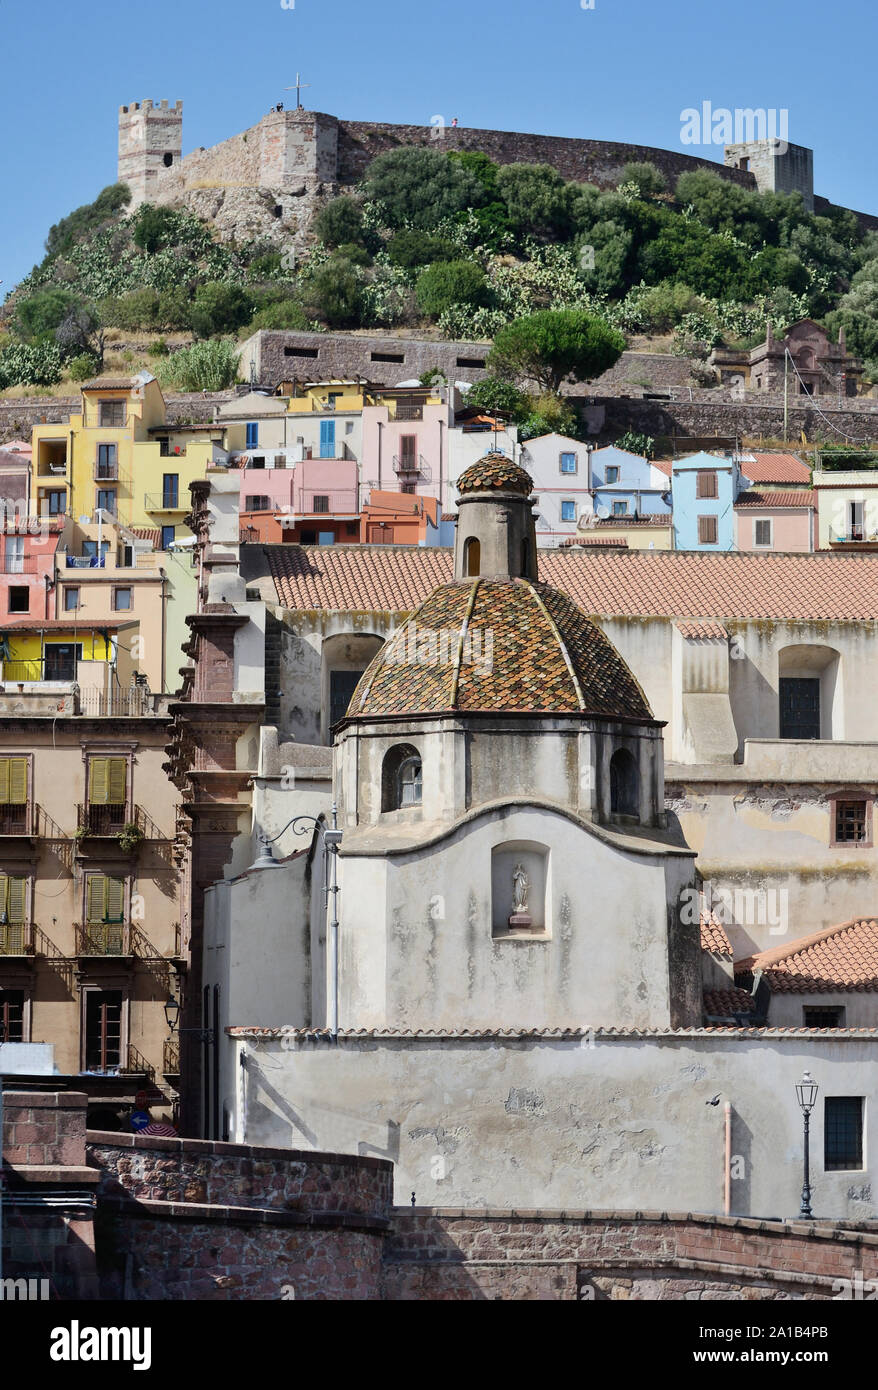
[413, 466]
[106, 821]
[23, 564]
[106, 473]
[102, 938]
[854, 536]
[171, 1057]
[16, 939]
[165, 502]
[17, 818]
[85, 562]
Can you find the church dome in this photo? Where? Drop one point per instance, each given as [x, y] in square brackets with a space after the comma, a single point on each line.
[495, 470]
[487, 645]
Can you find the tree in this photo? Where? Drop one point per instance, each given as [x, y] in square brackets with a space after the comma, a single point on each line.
[646, 177]
[448, 283]
[537, 199]
[85, 220]
[334, 293]
[43, 312]
[340, 221]
[493, 395]
[550, 415]
[411, 249]
[205, 366]
[419, 187]
[220, 308]
[154, 227]
[81, 332]
[555, 345]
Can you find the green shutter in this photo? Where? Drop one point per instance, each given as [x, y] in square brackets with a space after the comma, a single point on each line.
[98, 781]
[117, 769]
[115, 899]
[16, 894]
[17, 781]
[95, 897]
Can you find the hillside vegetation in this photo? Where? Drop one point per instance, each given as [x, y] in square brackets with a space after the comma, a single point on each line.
[455, 243]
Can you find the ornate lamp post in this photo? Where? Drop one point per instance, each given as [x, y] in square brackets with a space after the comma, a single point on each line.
[806, 1094]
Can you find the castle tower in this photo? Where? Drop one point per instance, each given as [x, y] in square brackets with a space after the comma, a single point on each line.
[495, 534]
[150, 147]
[777, 166]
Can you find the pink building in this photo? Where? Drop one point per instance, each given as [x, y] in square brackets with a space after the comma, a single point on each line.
[27, 566]
[316, 501]
[405, 445]
[775, 520]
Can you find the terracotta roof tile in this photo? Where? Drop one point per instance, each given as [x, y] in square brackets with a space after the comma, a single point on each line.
[620, 541]
[775, 468]
[708, 630]
[495, 470]
[823, 586]
[528, 648]
[805, 497]
[725, 1003]
[713, 936]
[646, 519]
[839, 958]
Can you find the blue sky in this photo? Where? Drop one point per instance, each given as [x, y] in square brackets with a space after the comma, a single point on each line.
[621, 71]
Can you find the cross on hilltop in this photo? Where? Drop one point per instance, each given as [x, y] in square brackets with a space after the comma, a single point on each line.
[297, 88]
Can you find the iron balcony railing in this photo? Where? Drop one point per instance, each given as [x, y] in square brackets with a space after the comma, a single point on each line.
[102, 938]
[106, 472]
[412, 464]
[34, 670]
[165, 502]
[16, 939]
[108, 819]
[171, 1057]
[17, 818]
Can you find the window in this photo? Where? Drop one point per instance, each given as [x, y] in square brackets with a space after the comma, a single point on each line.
[106, 500]
[13, 796]
[331, 399]
[568, 511]
[620, 509]
[470, 362]
[103, 1029]
[107, 795]
[106, 464]
[706, 483]
[824, 1017]
[90, 549]
[111, 414]
[472, 558]
[342, 685]
[856, 519]
[12, 1015]
[842, 1132]
[170, 490]
[624, 784]
[71, 598]
[762, 533]
[851, 822]
[61, 660]
[388, 357]
[122, 600]
[301, 352]
[257, 462]
[168, 534]
[799, 706]
[348, 426]
[164, 448]
[13, 915]
[410, 488]
[707, 530]
[56, 501]
[252, 441]
[408, 452]
[612, 473]
[351, 528]
[321, 502]
[257, 503]
[14, 555]
[401, 778]
[19, 598]
[568, 463]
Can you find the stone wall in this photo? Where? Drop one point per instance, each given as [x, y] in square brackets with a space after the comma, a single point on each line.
[19, 415]
[547, 1255]
[283, 356]
[610, 416]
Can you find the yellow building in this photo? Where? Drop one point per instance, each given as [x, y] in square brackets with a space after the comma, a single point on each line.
[120, 455]
[94, 655]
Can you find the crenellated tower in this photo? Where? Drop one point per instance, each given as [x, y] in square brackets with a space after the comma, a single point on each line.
[150, 147]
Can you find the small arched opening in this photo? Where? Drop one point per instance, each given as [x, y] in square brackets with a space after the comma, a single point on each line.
[401, 778]
[169, 159]
[525, 557]
[472, 558]
[624, 784]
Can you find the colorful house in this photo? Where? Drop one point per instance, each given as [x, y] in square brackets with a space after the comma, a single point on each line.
[775, 519]
[847, 509]
[27, 567]
[628, 485]
[62, 651]
[561, 473]
[704, 488]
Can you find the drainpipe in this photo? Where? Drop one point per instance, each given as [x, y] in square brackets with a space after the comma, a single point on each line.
[441, 498]
[380, 427]
[727, 1174]
[331, 838]
[164, 626]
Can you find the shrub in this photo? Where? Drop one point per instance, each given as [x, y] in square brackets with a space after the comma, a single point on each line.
[44, 311]
[282, 313]
[205, 366]
[450, 282]
[550, 415]
[646, 177]
[340, 221]
[537, 199]
[411, 249]
[220, 308]
[85, 220]
[333, 293]
[25, 364]
[642, 444]
[419, 187]
[491, 394]
[82, 367]
[154, 227]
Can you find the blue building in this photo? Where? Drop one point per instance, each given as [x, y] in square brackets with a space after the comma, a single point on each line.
[704, 488]
[626, 485]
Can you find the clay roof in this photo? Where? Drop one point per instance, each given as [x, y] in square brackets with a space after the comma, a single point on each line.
[839, 958]
[725, 1003]
[495, 471]
[710, 630]
[805, 497]
[819, 586]
[110, 383]
[619, 541]
[65, 625]
[713, 935]
[645, 519]
[775, 468]
[528, 649]
[147, 533]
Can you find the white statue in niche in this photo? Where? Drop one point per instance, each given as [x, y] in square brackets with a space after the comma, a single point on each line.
[520, 889]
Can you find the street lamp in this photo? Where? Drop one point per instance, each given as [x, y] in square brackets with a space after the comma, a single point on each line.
[331, 837]
[806, 1094]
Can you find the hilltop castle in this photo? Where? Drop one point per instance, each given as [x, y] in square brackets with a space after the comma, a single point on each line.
[269, 180]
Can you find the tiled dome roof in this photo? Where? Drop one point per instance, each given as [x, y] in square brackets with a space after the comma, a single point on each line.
[512, 644]
[495, 470]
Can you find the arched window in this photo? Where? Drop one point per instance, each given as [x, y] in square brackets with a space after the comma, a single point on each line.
[401, 780]
[624, 784]
[168, 160]
[472, 558]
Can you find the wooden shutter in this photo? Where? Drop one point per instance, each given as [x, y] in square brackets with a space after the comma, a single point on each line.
[16, 899]
[96, 897]
[706, 483]
[707, 530]
[17, 778]
[115, 899]
[107, 781]
[116, 781]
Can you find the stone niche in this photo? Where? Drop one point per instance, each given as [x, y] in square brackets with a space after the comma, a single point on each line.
[509, 920]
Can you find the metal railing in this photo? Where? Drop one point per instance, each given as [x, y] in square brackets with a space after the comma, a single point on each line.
[339, 500]
[103, 820]
[33, 670]
[171, 1057]
[102, 938]
[852, 536]
[106, 472]
[165, 502]
[85, 562]
[119, 704]
[137, 1065]
[16, 939]
[411, 464]
[23, 564]
[17, 818]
